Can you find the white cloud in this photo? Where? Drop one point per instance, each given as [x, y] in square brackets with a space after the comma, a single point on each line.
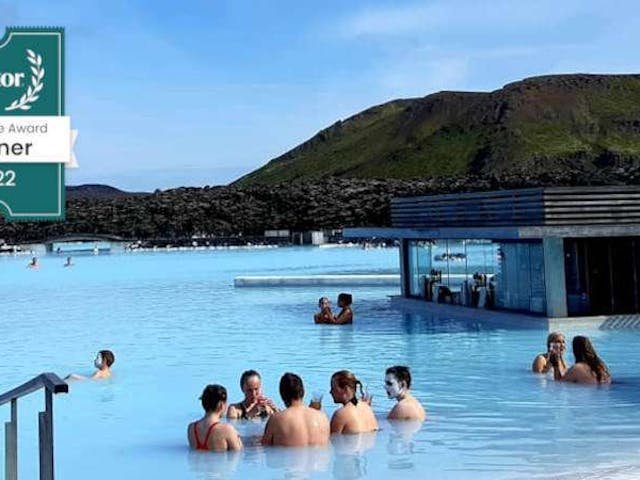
[390, 21]
[462, 15]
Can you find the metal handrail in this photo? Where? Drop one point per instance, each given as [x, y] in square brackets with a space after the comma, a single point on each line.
[52, 384]
[50, 381]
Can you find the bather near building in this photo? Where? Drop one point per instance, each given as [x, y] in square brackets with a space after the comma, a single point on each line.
[558, 252]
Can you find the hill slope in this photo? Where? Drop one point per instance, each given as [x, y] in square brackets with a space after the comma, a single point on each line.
[556, 123]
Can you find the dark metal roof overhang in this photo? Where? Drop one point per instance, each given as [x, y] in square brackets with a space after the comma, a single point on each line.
[530, 213]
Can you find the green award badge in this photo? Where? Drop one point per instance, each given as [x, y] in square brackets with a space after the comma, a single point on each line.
[36, 140]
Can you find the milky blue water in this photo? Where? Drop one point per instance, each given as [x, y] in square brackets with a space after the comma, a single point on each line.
[176, 323]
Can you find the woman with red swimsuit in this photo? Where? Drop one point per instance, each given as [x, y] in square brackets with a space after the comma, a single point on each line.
[209, 433]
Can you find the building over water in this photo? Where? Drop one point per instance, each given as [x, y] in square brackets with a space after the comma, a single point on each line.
[558, 252]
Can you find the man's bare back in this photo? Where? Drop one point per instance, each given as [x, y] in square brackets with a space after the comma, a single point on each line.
[297, 426]
[407, 409]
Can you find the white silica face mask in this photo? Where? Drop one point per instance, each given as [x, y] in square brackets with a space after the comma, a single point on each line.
[392, 386]
[98, 362]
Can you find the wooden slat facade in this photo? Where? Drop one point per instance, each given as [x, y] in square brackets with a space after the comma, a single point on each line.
[558, 206]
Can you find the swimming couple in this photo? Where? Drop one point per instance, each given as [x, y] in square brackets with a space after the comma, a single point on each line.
[326, 316]
[588, 368]
[299, 425]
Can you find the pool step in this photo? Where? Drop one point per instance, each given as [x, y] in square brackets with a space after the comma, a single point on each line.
[310, 280]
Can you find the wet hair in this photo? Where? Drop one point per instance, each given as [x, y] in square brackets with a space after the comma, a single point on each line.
[212, 396]
[291, 388]
[107, 357]
[401, 373]
[345, 298]
[246, 375]
[344, 378]
[553, 337]
[321, 300]
[584, 351]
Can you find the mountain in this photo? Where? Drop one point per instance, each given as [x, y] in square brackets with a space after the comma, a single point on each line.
[98, 191]
[556, 123]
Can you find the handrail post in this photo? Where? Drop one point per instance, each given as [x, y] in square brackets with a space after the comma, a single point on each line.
[11, 444]
[46, 437]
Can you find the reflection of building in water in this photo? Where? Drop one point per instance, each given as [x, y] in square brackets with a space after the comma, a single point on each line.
[559, 252]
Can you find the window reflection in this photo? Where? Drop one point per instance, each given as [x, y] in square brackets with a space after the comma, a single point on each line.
[478, 273]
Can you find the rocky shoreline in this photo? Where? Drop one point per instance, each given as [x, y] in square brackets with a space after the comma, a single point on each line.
[240, 211]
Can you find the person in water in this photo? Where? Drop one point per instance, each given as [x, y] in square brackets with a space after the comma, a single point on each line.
[556, 343]
[255, 404]
[297, 425]
[103, 361]
[209, 433]
[346, 314]
[588, 368]
[397, 382]
[355, 415]
[325, 315]
[69, 262]
[34, 263]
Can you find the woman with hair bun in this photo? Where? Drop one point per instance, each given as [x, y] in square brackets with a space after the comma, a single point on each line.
[209, 433]
[355, 415]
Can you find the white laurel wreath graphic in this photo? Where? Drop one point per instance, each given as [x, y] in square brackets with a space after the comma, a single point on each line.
[37, 83]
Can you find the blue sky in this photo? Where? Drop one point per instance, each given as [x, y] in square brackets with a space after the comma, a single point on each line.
[167, 94]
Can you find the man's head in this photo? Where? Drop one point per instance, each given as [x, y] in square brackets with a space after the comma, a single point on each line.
[397, 381]
[345, 300]
[291, 388]
[104, 359]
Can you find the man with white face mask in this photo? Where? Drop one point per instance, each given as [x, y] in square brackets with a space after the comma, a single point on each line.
[397, 382]
[103, 361]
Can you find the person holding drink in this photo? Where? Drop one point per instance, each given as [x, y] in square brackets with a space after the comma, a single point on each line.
[255, 404]
[556, 344]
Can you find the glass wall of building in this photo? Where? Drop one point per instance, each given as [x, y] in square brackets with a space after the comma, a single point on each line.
[419, 263]
[602, 275]
[520, 279]
[477, 273]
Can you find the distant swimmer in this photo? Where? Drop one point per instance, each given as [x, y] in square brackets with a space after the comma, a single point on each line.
[346, 314]
[69, 262]
[297, 425]
[34, 263]
[325, 315]
[555, 344]
[255, 404]
[397, 383]
[355, 415]
[103, 361]
[589, 367]
[210, 433]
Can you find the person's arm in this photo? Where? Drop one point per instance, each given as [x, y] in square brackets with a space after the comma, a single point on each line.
[540, 364]
[570, 375]
[267, 437]
[74, 376]
[189, 435]
[337, 422]
[345, 316]
[269, 406]
[234, 442]
[233, 412]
